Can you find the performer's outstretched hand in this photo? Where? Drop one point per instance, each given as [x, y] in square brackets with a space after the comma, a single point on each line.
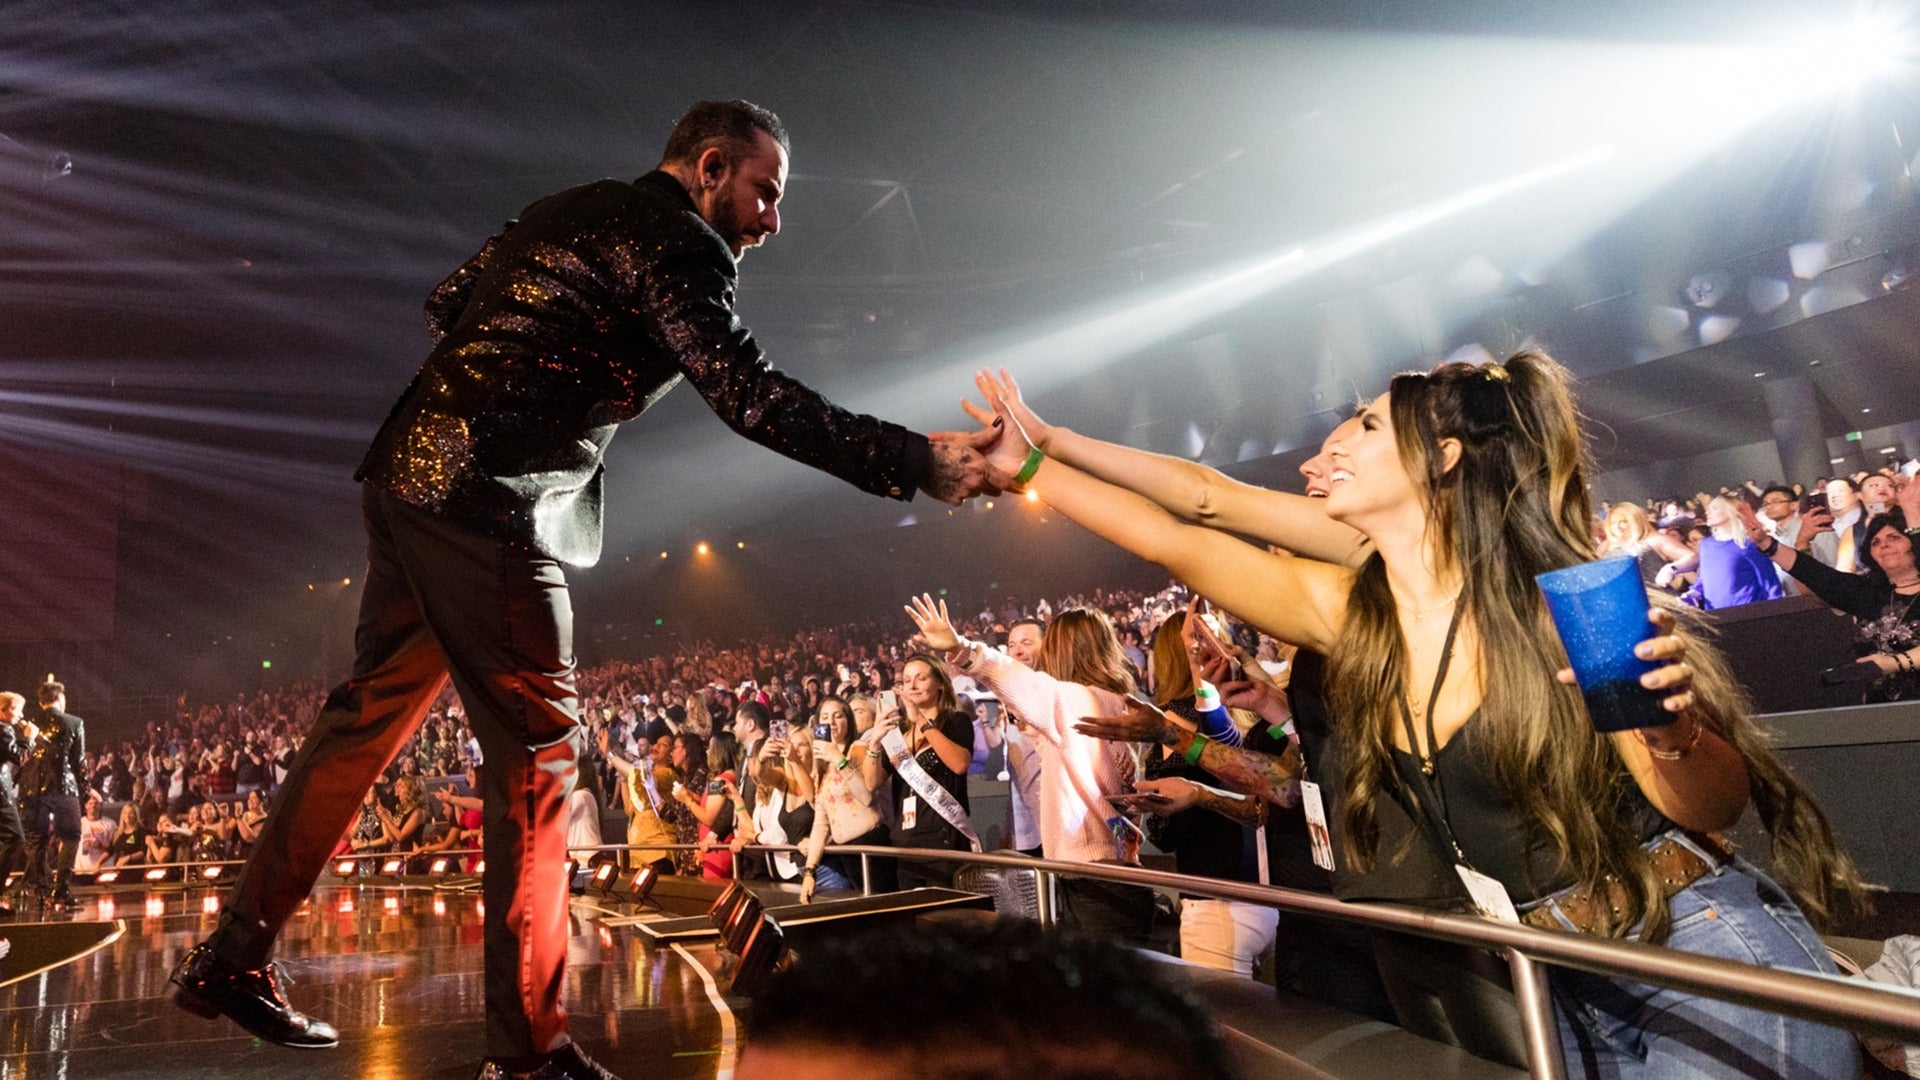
[960, 465]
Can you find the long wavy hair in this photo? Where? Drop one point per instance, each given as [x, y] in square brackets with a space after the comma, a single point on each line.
[1516, 504]
[1080, 646]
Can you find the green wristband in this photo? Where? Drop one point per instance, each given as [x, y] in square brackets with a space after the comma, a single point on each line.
[1034, 458]
[1195, 747]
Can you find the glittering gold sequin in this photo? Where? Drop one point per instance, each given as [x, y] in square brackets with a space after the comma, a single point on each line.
[578, 317]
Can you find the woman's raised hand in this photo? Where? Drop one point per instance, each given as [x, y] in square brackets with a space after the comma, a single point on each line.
[1756, 532]
[936, 628]
[1142, 722]
[1020, 429]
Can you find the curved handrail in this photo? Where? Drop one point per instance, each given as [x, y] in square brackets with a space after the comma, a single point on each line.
[1830, 999]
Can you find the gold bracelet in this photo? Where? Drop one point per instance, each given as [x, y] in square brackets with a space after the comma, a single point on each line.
[1675, 755]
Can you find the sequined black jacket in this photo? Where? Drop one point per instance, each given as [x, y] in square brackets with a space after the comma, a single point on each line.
[54, 764]
[579, 315]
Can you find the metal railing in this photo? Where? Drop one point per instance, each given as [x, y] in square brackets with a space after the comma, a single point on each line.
[1865, 1008]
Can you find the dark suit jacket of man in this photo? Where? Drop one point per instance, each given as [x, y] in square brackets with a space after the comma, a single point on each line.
[54, 764]
[577, 317]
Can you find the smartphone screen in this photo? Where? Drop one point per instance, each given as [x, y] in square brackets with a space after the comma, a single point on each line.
[823, 732]
[779, 729]
[889, 701]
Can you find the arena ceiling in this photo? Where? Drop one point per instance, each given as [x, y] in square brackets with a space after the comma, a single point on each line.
[1203, 228]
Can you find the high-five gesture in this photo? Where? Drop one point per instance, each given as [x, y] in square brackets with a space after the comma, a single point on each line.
[936, 629]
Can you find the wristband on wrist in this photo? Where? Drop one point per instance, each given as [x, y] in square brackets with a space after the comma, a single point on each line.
[1196, 748]
[1773, 545]
[1034, 458]
[1206, 698]
[1681, 751]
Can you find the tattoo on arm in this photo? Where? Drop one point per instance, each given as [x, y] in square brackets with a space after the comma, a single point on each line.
[1245, 811]
[1263, 776]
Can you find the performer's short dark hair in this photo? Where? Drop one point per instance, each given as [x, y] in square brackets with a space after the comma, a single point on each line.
[51, 692]
[732, 125]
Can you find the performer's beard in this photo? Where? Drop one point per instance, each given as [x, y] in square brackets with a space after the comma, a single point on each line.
[723, 219]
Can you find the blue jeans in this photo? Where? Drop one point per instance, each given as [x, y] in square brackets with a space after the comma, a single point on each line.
[1630, 1031]
[826, 877]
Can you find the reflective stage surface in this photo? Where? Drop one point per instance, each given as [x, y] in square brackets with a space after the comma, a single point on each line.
[396, 969]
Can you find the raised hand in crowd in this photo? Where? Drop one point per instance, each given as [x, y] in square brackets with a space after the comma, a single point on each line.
[936, 626]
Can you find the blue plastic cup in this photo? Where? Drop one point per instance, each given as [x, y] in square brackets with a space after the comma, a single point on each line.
[1600, 611]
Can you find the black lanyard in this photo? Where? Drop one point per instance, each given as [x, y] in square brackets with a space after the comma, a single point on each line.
[1439, 829]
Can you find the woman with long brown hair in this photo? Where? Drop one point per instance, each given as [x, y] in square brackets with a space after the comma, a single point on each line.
[928, 785]
[1445, 676]
[1081, 672]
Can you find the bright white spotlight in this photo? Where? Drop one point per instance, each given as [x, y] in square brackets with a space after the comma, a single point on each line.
[1875, 43]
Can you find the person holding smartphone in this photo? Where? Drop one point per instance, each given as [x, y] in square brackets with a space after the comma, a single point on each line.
[711, 807]
[938, 737]
[1445, 675]
[845, 810]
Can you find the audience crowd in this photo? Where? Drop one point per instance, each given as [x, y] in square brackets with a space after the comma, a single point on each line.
[866, 733]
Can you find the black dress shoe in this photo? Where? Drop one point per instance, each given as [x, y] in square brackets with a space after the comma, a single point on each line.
[208, 986]
[567, 1063]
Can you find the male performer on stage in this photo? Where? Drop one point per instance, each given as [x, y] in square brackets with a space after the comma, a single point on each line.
[51, 783]
[16, 741]
[485, 479]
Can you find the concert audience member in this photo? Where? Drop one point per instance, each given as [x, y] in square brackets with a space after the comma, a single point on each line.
[1628, 531]
[1882, 600]
[689, 759]
[1469, 480]
[128, 846]
[247, 824]
[1732, 571]
[751, 722]
[1210, 834]
[844, 812]
[402, 827]
[165, 842]
[645, 786]
[965, 1001]
[96, 836]
[1878, 495]
[1084, 675]
[1023, 757]
[366, 834]
[583, 812]
[934, 742]
[1839, 531]
[464, 817]
[782, 809]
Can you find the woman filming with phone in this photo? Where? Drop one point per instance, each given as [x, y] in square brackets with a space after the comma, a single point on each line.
[1446, 681]
[844, 807]
[921, 749]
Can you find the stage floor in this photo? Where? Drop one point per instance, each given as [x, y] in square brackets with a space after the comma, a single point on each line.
[396, 969]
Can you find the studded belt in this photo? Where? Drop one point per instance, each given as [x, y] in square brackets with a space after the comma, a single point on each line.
[1677, 865]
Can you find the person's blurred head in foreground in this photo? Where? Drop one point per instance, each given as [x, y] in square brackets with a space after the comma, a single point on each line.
[964, 1001]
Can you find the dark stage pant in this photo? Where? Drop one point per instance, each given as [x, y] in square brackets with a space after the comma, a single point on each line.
[53, 839]
[13, 840]
[441, 600]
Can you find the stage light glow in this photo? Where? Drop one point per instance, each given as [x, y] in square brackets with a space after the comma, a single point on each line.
[703, 549]
[155, 907]
[393, 866]
[1831, 57]
[1033, 495]
[439, 906]
[345, 867]
[209, 905]
[211, 873]
[439, 866]
[156, 875]
[108, 877]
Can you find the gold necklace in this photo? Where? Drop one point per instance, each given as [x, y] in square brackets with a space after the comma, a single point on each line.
[1421, 613]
